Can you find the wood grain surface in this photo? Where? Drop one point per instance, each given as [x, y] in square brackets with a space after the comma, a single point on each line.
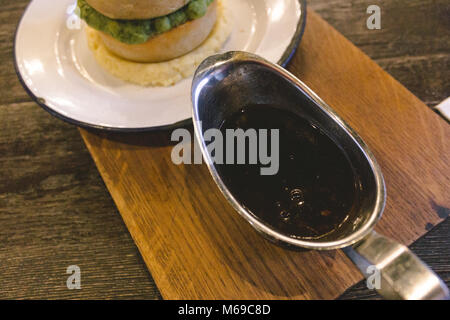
[197, 247]
[55, 210]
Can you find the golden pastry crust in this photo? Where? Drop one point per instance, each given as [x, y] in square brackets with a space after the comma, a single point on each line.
[136, 9]
[169, 45]
[163, 73]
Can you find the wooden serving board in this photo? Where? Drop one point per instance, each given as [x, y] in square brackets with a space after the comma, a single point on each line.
[197, 247]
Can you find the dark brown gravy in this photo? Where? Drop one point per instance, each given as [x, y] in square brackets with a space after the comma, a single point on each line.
[314, 191]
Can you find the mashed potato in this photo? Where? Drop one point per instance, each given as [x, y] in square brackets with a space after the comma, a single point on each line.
[163, 73]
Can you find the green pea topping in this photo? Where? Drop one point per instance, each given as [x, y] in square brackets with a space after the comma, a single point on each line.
[113, 27]
[162, 24]
[196, 9]
[139, 31]
[178, 18]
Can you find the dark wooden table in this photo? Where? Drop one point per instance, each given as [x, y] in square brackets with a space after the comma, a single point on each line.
[55, 210]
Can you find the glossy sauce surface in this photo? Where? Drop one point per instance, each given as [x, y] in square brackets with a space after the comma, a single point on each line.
[314, 190]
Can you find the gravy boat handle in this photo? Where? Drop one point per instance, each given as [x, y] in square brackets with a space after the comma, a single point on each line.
[395, 271]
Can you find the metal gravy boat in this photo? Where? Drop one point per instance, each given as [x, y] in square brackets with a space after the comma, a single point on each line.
[223, 84]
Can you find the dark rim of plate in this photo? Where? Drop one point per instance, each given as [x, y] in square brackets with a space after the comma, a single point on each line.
[285, 59]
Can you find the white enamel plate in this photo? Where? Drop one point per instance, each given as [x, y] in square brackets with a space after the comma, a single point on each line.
[59, 71]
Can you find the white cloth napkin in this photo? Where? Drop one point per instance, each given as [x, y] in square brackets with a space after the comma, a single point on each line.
[444, 108]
